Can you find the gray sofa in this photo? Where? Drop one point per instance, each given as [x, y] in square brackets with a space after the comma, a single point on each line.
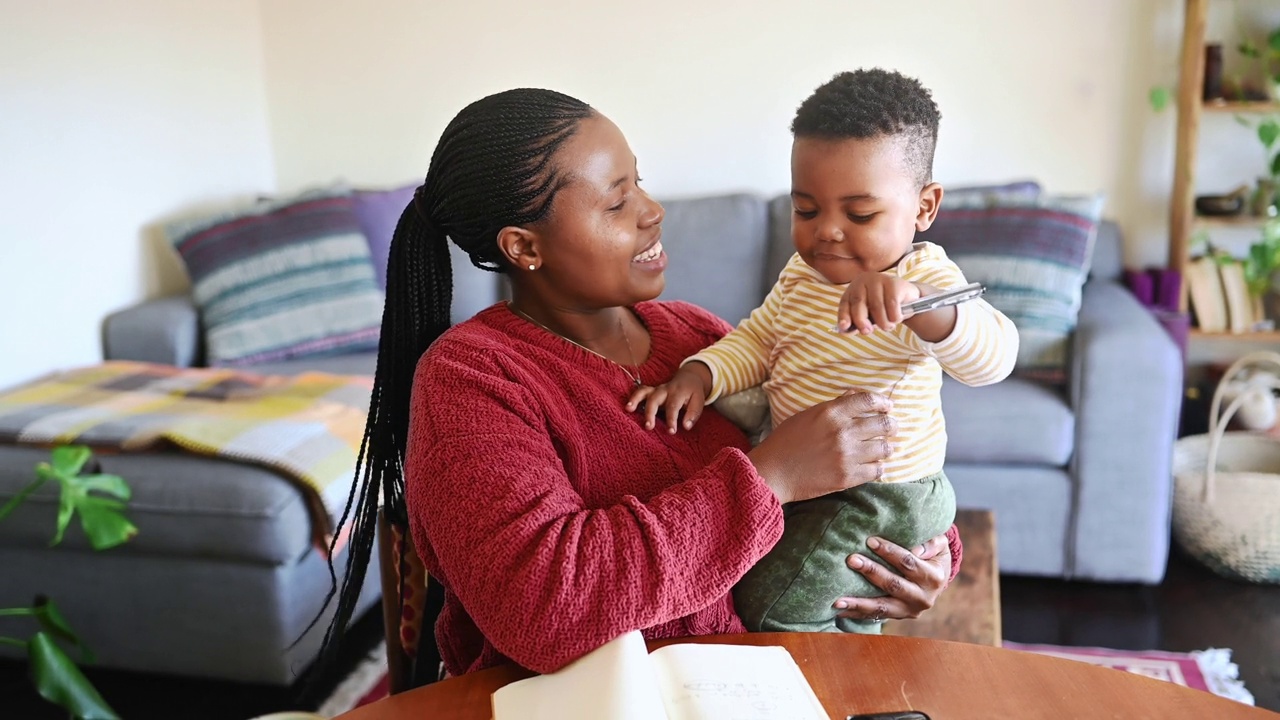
[221, 579]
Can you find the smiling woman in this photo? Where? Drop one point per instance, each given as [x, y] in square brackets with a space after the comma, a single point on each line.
[553, 518]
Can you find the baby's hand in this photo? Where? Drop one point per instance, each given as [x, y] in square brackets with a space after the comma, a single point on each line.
[874, 300]
[686, 391]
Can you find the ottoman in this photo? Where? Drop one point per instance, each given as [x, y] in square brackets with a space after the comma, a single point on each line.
[220, 582]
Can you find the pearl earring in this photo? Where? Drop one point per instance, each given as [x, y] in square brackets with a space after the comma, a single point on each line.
[531, 267]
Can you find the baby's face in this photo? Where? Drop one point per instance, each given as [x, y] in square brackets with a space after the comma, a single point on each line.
[856, 204]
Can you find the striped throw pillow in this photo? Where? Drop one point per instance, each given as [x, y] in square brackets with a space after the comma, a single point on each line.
[285, 278]
[1033, 256]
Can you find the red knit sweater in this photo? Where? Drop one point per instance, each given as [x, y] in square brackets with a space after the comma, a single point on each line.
[553, 519]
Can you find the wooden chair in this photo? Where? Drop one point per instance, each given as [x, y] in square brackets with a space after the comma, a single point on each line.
[411, 601]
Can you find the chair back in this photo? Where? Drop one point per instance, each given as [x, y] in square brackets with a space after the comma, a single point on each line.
[411, 601]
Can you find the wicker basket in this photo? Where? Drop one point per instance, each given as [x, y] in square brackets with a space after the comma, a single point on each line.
[1226, 494]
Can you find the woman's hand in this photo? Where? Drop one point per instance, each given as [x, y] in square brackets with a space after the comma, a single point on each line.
[924, 569]
[829, 447]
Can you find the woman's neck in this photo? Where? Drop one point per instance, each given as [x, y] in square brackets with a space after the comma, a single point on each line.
[614, 332]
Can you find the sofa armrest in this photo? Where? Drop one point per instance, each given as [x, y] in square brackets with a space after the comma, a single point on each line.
[165, 330]
[1126, 388]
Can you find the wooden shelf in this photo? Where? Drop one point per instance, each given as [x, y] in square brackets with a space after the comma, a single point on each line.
[1261, 336]
[1229, 221]
[1242, 106]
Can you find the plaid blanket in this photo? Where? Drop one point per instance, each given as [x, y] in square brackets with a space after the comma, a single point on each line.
[308, 428]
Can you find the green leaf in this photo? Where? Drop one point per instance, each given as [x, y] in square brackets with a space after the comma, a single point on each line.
[1275, 165]
[66, 508]
[104, 522]
[52, 622]
[110, 484]
[1273, 40]
[69, 460]
[1268, 131]
[1159, 98]
[59, 681]
[1248, 49]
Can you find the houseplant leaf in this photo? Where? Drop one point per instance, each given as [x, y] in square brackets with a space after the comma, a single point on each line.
[1275, 165]
[1273, 40]
[1268, 131]
[69, 460]
[113, 485]
[53, 623]
[59, 681]
[104, 523]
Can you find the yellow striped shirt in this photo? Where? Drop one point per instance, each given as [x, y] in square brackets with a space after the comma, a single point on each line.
[788, 345]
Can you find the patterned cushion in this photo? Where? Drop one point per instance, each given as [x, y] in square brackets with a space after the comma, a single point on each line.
[966, 195]
[1033, 255]
[282, 279]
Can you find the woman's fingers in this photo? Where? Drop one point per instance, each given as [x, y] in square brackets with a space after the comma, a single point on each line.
[857, 403]
[875, 609]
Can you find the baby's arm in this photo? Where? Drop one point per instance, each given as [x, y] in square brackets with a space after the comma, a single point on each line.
[738, 361]
[974, 342]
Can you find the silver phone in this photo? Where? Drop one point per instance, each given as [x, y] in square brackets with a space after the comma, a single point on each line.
[946, 298]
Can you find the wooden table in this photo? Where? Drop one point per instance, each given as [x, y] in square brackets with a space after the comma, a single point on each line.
[863, 674]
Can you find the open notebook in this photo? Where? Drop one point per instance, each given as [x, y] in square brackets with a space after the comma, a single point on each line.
[623, 681]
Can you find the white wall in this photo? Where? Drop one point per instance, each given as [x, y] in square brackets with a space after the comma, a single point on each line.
[705, 90]
[112, 116]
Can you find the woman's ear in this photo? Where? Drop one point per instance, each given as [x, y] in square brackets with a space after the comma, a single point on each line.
[520, 247]
[930, 201]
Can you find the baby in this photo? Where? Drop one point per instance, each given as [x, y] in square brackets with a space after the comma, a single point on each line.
[861, 188]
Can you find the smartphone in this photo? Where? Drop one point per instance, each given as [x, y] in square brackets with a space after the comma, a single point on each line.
[946, 298]
[900, 715]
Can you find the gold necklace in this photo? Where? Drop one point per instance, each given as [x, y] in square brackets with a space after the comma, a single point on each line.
[634, 378]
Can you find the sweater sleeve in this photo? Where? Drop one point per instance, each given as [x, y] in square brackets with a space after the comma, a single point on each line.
[545, 577]
[740, 360]
[957, 552]
[983, 346]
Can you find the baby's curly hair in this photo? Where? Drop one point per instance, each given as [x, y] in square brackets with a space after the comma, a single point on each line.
[871, 103]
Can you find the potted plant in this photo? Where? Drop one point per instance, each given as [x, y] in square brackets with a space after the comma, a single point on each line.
[99, 500]
[1262, 269]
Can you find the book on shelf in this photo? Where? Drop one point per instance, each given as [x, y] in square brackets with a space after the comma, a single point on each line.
[622, 680]
[1204, 286]
[1241, 308]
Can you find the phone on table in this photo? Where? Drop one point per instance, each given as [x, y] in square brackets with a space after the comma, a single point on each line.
[946, 298]
[900, 715]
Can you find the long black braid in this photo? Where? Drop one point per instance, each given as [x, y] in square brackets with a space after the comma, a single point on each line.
[491, 169]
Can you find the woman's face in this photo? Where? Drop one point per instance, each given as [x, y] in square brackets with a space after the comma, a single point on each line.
[601, 243]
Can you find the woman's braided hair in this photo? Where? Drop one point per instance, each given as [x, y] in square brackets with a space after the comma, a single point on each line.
[491, 169]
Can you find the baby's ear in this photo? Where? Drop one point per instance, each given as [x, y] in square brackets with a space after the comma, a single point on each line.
[930, 201]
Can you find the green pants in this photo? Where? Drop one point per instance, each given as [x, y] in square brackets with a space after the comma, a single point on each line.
[795, 586]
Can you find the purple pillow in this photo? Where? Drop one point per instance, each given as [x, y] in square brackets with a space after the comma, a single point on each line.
[378, 211]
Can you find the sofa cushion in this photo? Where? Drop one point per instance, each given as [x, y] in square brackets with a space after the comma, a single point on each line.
[364, 363]
[220, 510]
[965, 195]
[716, 247]
[1033, 256]
[378, 212]
[1017, 422]
[285, 278]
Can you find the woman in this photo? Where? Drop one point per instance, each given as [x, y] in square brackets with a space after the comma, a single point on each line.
[552, 517]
